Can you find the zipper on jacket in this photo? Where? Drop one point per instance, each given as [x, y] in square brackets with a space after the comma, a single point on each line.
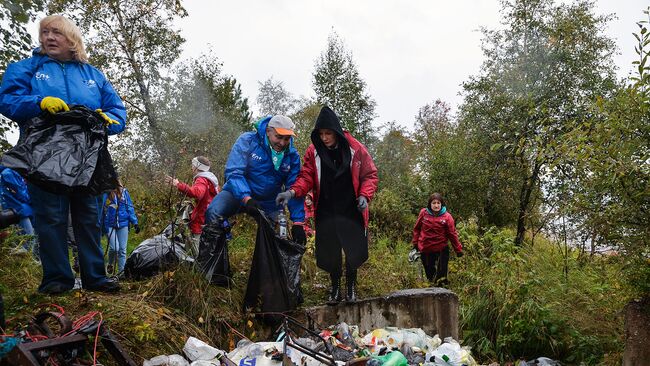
[65, 79]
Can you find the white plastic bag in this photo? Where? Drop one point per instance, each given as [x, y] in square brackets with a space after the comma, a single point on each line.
[164, 360]
[195, 349]
[450, 353]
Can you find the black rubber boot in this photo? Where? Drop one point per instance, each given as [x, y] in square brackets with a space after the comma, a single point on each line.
[335, 291]
[351, 282]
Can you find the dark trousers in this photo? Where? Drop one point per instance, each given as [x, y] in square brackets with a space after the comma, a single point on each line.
[51, 225]
[436, 266]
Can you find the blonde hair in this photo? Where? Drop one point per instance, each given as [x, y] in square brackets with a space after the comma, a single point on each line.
[70, 31]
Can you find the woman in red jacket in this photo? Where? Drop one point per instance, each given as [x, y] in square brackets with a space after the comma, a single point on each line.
[343, 177]
[205, 187]
[433, 228]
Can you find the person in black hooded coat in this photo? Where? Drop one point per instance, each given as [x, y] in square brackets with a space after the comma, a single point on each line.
[343, 177]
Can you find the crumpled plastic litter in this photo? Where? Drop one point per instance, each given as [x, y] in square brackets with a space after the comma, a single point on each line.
[195, 349]
[248, 353]
[393, 337]
[214, 362]
[543, 361]
[164, 360]
[450, 353]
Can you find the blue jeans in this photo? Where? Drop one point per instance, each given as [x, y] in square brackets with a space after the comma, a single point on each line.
[51, 224]
[226, 205]
[117, 239]
[26, 228]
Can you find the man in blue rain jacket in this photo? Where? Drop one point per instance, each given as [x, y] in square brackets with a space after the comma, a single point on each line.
[261, 164]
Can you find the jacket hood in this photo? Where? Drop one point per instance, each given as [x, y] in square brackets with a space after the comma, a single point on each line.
[261, 126]
[327, 119]
[209, 176]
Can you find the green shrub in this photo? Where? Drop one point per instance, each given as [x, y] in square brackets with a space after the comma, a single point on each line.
[532, 301]
[391, 217]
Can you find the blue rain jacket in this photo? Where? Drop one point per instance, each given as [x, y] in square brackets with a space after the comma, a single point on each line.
[27, 82]
[119, 212]
[13, 193]
[249, 172]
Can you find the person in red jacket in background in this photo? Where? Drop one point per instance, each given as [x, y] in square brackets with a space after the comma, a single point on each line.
[433, 228]
[203, 190]
[309, 215]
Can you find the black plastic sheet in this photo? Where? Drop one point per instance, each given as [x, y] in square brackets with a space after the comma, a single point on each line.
[275, 271]
[64, 153]
[153, 256]
[213, 260]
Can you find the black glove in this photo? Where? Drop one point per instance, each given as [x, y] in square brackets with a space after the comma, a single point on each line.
[459, 254]
[298, 234]
[252, 207]
[136, 227]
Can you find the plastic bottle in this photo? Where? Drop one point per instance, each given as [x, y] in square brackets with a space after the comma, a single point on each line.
[282, 225]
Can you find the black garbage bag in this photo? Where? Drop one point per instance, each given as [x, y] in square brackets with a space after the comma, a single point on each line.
[155, 255]
[275, 271]
[213, 260]
[65, 153]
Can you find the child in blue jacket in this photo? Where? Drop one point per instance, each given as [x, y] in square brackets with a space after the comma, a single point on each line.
[118, 216]
[14, 195]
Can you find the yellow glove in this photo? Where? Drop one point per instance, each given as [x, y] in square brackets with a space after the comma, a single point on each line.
[107, 119]
[54, 105]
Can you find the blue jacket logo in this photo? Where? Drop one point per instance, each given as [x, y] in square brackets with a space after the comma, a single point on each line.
[256, 157]
[41, 76]
[90, 83]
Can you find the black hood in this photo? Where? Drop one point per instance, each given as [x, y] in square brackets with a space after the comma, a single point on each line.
[327, 119]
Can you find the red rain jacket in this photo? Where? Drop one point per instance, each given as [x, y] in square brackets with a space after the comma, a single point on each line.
[431, 233]
[362, 168]
[203, 191]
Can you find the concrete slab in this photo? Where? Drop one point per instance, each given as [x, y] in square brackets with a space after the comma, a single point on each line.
[433, 309]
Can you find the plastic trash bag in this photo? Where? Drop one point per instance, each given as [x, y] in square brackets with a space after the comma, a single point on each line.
[414, 255]
[395, 358]
[543, 361]
[155, 255]
[213, 260]
[275, 271]
[65, 153]
[248, 353]
[164, 360]
[195, 349]
[450, 353]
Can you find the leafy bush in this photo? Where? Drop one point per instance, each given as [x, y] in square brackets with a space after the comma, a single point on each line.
[391, 217]
[520, 301]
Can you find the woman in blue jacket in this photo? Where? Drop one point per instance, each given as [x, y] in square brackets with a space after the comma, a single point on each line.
[119, 215]
[58, 75]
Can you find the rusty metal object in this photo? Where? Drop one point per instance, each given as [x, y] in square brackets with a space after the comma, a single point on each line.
[288, 340]
[65, 348]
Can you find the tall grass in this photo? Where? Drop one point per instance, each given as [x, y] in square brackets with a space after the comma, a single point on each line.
[521, 302]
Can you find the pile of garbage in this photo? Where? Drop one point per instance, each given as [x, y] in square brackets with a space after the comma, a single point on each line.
[339, 345]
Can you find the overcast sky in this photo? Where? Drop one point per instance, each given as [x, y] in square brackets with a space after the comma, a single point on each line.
[408, 52]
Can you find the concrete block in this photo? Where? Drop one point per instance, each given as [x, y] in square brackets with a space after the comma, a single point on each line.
[433, 309]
